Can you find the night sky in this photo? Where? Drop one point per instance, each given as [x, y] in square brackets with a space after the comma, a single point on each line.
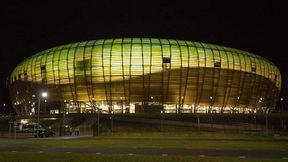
[29, 27]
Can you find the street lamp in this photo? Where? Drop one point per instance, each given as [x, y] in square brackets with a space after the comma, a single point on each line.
[4, 108]
[237, 105]
[210, 106]
[98, 121]
[281, 99]
[161, 120]
[43, 95]
[111, 117]
[64, 117]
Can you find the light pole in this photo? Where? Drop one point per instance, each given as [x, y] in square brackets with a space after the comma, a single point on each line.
[4, 109]
[210, 106]
[237, 105]
[161, 121]
[43, 95]
[111, 117]
[121, 103]
[281, 101]
[64, 118]
[98, 121]
[260, 106]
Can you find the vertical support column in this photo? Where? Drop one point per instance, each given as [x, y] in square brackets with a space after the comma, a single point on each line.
[110, 81]
[68, 73]
[104, 75]
[198, 81]
[169, 75]
[130, 62]
[92, 74]
[180, 97]
[187, 76]
[143, 76]
[204, 73]
[252, 83]
[123, 77]
[88, 84]
[219, 75]
[59, 87]
[150, 70]
[75, 97]
[231, 78]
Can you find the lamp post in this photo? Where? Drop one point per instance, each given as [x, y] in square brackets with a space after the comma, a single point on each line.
[98, 121]
[161, 120]
[210, 106]
[4, 109]
[111, 117]
[281, 110]
[260, 106]
[43, 95]
[237, 105]
[64, 118]
[281, 102]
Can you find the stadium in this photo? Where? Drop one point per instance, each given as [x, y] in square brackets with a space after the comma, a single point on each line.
[144, 75]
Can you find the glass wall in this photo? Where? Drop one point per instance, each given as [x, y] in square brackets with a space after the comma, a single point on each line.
[168, 75]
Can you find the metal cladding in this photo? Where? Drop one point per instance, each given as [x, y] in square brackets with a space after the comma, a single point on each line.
[127, 75]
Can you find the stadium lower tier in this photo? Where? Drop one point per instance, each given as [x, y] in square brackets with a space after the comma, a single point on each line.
[186, 90]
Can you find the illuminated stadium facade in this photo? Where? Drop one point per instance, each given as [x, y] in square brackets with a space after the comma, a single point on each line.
[145, 75]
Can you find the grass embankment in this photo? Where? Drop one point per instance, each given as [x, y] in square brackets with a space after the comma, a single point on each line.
[27, 157]
[163, 140]
[146, 140]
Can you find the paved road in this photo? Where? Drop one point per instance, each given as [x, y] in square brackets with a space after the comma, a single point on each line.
[20, 145]
[149, 151]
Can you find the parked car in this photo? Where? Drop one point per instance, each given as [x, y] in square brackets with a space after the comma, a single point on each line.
[32, 128]
[37, 128]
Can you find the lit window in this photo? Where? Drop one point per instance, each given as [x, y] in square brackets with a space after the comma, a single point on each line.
[217, 64]
[83, 67]
[43, 67]
[253, 69]
[25, 75]
[166, 60]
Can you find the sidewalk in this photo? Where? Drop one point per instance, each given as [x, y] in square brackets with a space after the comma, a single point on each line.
[63, 137]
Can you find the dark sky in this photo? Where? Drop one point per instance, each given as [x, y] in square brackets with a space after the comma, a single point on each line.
[28, 27]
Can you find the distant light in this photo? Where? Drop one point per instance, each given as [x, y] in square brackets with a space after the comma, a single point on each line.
[33, 95]
[182, 97]
[211, 97]
[44, 94]
[24, 121]
[45, 101]
[151, 97]
[4, 104]
[281, 99]
[238, 98]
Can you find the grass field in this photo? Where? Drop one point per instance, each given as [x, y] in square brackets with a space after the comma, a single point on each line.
[206, 142]
[195, 141]
[26, 157]
[136, 141]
